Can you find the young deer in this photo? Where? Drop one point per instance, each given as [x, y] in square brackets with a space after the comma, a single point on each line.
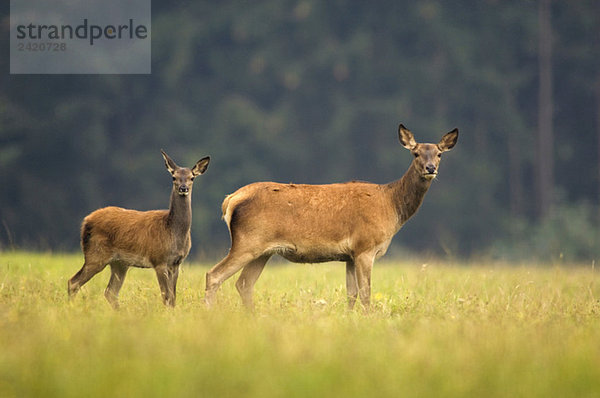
[352, 222]
[123, 238]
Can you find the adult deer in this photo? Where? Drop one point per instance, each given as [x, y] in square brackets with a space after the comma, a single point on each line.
[123, 238]
[352, 222]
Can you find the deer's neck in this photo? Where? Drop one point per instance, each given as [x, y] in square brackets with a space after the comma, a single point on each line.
[407, 194]
[179, 218]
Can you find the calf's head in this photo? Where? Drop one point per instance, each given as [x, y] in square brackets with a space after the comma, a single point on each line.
[183, 178]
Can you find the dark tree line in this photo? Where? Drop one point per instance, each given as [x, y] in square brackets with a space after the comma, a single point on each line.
[309, 91]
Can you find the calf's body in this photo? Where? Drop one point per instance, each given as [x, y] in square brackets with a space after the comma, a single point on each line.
[124, 238]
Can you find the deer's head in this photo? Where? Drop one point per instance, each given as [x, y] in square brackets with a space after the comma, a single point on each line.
[427, 156]
[183, 178]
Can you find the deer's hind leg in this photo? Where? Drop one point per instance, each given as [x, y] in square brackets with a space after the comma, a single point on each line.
[91, 266]
[232, 263]
[247, 279]
[117, 276]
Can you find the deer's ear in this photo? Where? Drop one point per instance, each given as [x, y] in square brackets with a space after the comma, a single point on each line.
[201, 166]
[171, 165]
[448, 141]
[406, 138]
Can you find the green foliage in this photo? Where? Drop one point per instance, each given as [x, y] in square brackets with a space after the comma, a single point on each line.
[435, 330]
[307, 91]
[569, 233]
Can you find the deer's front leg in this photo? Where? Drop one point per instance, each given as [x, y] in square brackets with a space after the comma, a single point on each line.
[364, 265]
[162, 274]
[351, 283]
[173, 275]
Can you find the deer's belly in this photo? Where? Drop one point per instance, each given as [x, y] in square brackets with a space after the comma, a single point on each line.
[131, 260]
[313, 258]
[312, 255]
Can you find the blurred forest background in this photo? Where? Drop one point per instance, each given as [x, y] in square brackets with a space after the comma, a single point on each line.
[312, 91]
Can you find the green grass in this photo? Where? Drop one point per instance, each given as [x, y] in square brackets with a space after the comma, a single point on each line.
[445, 330]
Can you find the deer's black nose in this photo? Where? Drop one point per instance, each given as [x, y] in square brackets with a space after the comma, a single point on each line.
[430, 168]
[184, 189]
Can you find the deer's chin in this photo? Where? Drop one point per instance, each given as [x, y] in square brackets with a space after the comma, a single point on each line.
[429, 176]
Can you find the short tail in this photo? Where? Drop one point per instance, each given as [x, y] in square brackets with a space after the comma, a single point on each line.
[86, 233]
[224, 208]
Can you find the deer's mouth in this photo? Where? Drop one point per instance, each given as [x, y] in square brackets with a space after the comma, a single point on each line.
[429, 176]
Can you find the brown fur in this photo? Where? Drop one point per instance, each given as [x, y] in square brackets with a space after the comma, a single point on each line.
[127, 233]
[123, 238]
[352, 222]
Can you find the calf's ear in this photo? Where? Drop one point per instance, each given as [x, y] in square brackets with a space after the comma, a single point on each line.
[201, 166]
[171, 165]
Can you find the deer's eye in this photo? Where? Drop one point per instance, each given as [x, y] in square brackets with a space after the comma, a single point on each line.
[192, 178]
[416, 154]
[174, 178]
[439, 155]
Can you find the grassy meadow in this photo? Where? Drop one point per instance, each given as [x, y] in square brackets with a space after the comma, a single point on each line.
[440, 330]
